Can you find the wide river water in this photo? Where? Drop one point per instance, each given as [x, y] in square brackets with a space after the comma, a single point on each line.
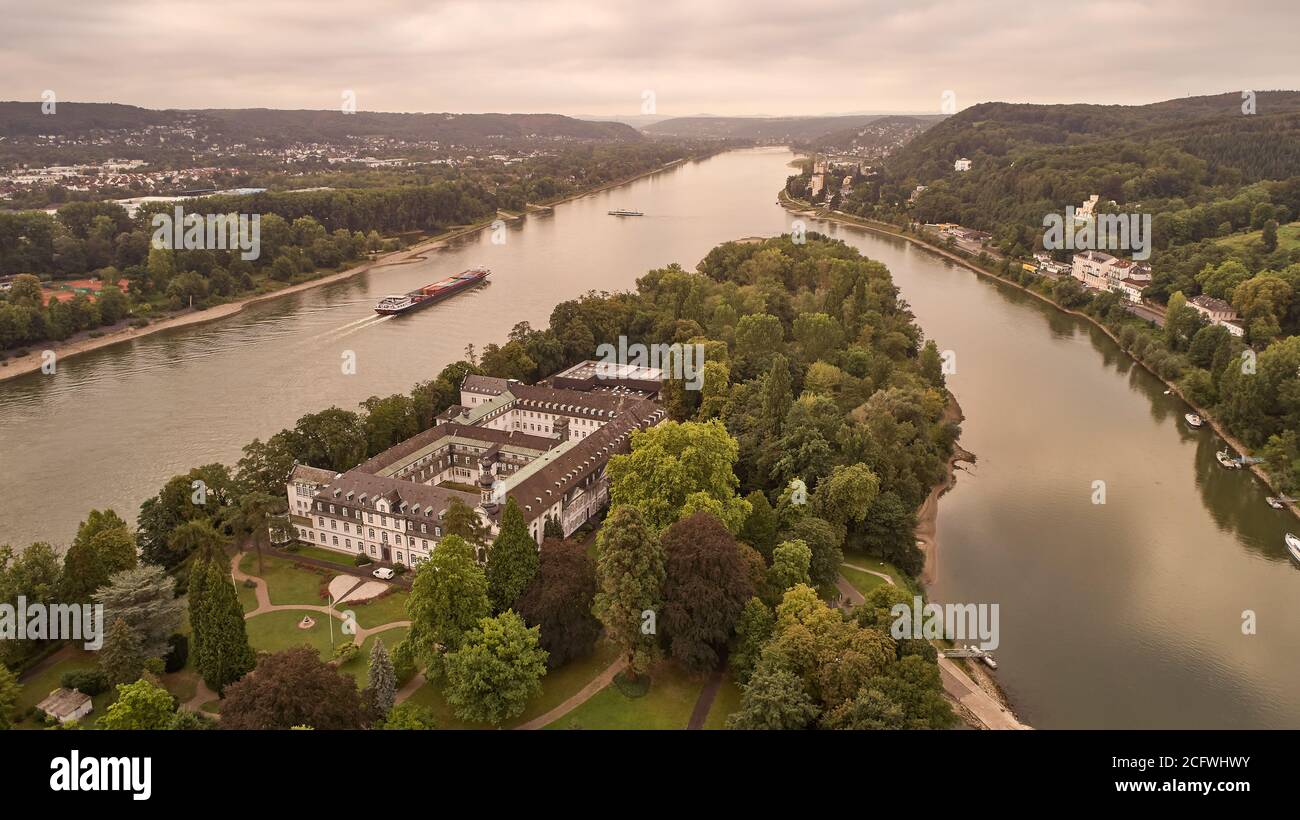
[1123, 614]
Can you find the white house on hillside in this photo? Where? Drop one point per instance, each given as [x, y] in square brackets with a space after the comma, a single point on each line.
[1218, 312]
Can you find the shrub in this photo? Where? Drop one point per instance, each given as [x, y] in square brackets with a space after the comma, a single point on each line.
[345, 652]
[178, 652]
[86, 681]
[361, 560]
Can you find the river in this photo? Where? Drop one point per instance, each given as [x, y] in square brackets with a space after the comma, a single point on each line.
[1123, 614]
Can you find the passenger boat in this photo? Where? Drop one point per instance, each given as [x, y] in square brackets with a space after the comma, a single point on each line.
[1293, 545]
[429, 294]
[1193, 419]
[625, 212]
[1275, 502]
[1227, 460]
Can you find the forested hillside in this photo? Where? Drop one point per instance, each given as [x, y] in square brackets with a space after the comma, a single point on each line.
[1223, 189]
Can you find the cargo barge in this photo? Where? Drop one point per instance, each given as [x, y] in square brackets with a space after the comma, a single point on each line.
[429, 294]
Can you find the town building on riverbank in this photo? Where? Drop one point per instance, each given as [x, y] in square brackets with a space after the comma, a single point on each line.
[1218, 312]
[1101, 271]
[544, 445]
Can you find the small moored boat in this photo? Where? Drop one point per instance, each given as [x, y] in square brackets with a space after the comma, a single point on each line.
[1227, 460]
[625, 212]
[1193, 419]
[1275, 502]
[1293, 545]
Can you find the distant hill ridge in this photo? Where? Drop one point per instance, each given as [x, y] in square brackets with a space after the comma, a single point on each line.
[74, 119]
[760, 128]
[999, 129]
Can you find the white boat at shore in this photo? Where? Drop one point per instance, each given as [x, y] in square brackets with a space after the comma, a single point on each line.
[1275, 502]
[1193, 419]
[1293, 545]
[1227, 460]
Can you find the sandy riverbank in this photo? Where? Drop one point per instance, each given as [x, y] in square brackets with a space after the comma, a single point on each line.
[889, 230]
[31, 363]
[927, 515]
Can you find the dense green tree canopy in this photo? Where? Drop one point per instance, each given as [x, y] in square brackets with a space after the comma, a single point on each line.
[496, 671]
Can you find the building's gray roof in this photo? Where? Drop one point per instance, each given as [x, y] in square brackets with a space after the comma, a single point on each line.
[431, 500]
[434, 434]
[1213, 304]
[585, 457]
[313, 475]
[485, 385]
[63, 702]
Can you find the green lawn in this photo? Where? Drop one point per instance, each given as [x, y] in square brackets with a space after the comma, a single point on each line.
[247, 597]
[379, 611]
[558, 686]
[667, 705]
[286, 582]
[274, 631]
[322, 554]
[1288, 237]
[863, 582]
[457, 485]
[183, 684]
[561, 684]
[901, 578]
[359, 666]
[726, 702]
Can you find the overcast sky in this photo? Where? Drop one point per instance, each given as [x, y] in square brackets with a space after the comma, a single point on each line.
[601, 56]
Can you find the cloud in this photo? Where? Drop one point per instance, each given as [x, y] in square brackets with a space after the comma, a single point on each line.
[720, 56]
